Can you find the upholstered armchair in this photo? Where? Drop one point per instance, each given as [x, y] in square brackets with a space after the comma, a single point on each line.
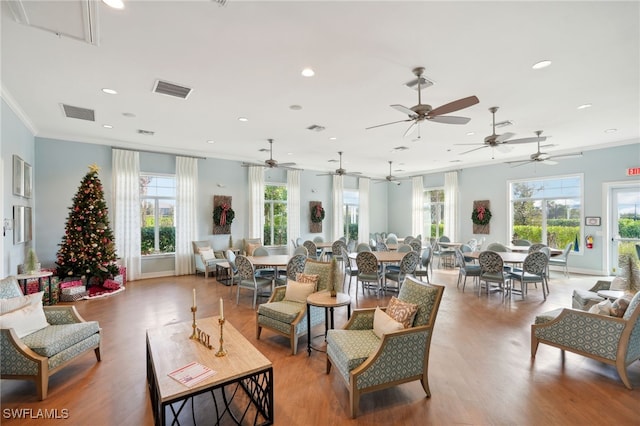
[205, 259]
[289, 317]
[65, 336]
[368, 363]
[608, 339]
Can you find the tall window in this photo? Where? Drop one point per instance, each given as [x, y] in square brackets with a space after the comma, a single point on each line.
[433, 213]
[157, 208]
[350, 206]
[275, 215]
[547, 211]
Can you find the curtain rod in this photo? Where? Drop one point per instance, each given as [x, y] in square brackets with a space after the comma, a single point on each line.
[158, 152]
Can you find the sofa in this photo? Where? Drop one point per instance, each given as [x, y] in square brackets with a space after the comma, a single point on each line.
[585, 299]
[37, 341]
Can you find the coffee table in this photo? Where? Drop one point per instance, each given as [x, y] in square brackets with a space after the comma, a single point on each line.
[324, 300]
[243, 368]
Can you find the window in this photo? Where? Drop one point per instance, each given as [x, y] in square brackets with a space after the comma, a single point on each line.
[350, 206]
[157, 208]
[275, 215]
[433, 215]
[547, 211]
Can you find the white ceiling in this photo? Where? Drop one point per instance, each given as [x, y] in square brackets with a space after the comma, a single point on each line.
[245, 59]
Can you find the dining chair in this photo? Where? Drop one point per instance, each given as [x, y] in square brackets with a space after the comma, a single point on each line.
[264, 272]
[443, 252]
[295, 265]
[336, 250]
[536, 247]
[423, 266]
[351, 246]
[392, 239]
[350, 270]
[419, 238]
[301, 250]
[562, 259]
[407, 267]
[293, 242]
[248, 279]
[363, 247]
[318, 239]
[312, 249]
[466, 269]
[416, 245]
[520, 242]
[404, 248]
[499, 247]
[492, 271]
[466, 248]
[368, 271]
[473, 243]
[299, 241]
[372, 244]
[533, 271]
[233, 270]
[381, 246]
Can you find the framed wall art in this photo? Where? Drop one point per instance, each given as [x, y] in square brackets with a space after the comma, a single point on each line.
[18, 165]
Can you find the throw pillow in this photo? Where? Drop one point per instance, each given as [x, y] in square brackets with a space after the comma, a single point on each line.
[25, 320]
[620, 305]
[301, 277]
[207, 254]
[298, 292]
[219, 254]
[13, 303]
[322, 269]
[619, 284]
[383, 323]
[403, 312]
[602, 308]
[251, 248]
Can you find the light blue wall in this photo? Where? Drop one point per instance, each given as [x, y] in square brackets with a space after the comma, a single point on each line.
[15, 139]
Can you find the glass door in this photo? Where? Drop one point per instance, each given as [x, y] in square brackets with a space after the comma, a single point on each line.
[625, 222]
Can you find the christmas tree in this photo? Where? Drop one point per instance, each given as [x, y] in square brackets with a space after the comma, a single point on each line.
[87, 248]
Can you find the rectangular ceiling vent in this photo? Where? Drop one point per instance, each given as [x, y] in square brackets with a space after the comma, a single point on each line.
[146, 132]
[171, 89]
[504, 123]
[79, 113]
[424, 83]
[315, 128]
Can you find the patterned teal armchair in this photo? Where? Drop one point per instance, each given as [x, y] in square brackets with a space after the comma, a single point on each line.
[612, 340]
[368, 363]
[289, 318]
[38, 355]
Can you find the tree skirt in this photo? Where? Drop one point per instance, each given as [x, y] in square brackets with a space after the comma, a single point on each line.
[96, 291]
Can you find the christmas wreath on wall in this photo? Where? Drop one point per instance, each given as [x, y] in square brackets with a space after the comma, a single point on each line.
[223, 215]
[481, 215]
[317, 213]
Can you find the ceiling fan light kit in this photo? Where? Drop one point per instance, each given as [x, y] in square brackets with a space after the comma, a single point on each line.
[340, 171]
[270, 163]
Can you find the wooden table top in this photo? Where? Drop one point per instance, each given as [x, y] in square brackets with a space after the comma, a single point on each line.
[507, 256]
[39, 274]
[324, 299]
[171, 349]
[324, 245]
[384, 256]
[271, 260]
[553, 251]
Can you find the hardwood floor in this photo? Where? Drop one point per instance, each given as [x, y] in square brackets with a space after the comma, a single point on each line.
[480, 369]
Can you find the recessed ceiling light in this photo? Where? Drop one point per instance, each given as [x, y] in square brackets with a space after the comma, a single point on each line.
[332, 138]
[611, 130]
[470, 133]
[584, 106]
[541, 64]
[107, 126]
[211, 141]
[308, 72]
[243, 119]
[295, 107]
[289, 153]
[109, 91]
[116, 4]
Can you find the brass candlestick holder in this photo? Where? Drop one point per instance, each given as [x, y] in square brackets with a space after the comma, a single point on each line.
[221, 351]
[194, 325]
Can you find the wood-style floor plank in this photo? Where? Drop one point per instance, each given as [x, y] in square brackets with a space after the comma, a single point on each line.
[480, 373]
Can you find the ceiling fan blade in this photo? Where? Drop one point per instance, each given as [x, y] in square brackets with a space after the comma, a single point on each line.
[252, 165]
[519, 163]
[405, 110]
[474, 149]
[549, 162]
[572, 155]
[410, 130]
[503, 147]
[386, 124]
[286, 164]
[503, 137]
[449, 119]
[358, 174]
[454, 106]
[527, 140]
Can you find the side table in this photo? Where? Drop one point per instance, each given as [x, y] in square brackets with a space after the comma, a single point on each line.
[324, 300]
[23, 278]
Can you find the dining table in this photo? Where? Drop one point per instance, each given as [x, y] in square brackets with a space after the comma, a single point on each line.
[514, 257]
[274, 261]
[525, 249]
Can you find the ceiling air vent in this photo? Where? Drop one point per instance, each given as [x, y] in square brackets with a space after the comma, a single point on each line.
[170, 89]
[146, 132]
[316, 128]
[79, 113]
[504, 123]
[424, 83]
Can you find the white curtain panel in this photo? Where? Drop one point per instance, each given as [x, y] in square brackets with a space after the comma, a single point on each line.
[338, 201]
[126, 199]
[186, 202]
[427, 217]
[293, 207]
[451, 205]
[417, 224]
[363, 210]
[256, 202]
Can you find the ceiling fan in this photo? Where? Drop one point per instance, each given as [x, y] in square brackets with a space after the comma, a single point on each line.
[494, 140]
[270, 163]
[390, 178]
[543, 157]
[421, 112]
[340, 171]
